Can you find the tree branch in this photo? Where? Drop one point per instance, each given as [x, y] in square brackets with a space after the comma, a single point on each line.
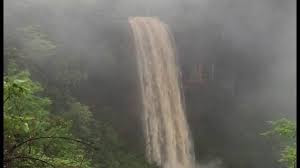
[6, 99]
[38, 138]
[30, 158]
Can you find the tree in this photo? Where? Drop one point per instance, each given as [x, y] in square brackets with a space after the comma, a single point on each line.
[286, 130]
[54, 133]
[32, 136]
[111, 151]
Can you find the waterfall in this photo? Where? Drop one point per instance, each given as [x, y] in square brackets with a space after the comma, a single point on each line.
[167, 136]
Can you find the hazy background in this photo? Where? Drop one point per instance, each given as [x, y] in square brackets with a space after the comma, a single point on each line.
[252, 44]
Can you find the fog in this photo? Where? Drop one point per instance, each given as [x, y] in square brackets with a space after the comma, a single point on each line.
[252, 45]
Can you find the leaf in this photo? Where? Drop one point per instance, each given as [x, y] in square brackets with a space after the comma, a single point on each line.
[286, 129]
[27, 118]
[26, 127]
[17, 127]
[20, 81]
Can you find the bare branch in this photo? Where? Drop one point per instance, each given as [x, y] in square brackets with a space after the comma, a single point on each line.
[6, 99]
[38, 138]
[29, 158]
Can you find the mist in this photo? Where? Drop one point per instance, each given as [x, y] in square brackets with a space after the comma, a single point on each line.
[251, 44]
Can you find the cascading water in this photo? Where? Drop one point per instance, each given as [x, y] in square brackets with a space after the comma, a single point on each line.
[167, 135]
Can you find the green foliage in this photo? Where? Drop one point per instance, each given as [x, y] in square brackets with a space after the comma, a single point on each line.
[35, 43]
[289, 156]
[286, 130]
[81, 117]
[69, 71]
[46, 132]
[33, 137]
[282, 127]
[111, 151]
[37, 51]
